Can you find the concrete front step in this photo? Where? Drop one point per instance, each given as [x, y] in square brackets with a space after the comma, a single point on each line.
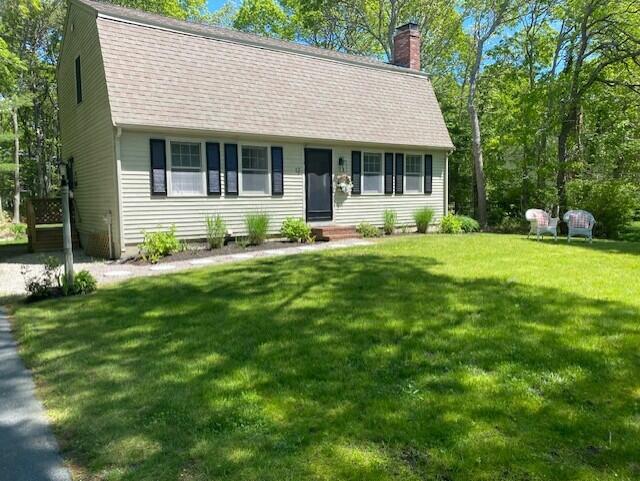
[334, 232]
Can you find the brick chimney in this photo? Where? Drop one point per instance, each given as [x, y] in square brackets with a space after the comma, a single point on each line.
[406, 46]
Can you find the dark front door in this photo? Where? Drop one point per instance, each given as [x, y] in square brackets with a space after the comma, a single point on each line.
[318, 180]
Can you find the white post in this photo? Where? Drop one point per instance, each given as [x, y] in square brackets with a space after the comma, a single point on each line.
[66, 232]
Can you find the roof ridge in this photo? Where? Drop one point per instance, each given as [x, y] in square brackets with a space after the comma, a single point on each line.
[154, 20]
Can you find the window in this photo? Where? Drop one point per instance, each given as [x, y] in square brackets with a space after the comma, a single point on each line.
[413, 174]
[255, 170]
[186, 169]
[372, 173]
[78, 81]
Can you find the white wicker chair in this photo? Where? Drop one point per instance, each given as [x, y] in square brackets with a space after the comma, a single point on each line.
[541, 224]
[580, 223]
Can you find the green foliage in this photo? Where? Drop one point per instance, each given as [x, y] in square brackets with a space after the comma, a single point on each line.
[18, 230]
[296, 230]
[423, 218]
[390, 218]
[365, 229]
[266, 18]
[257, 225]
[159, 244]
[451, 224]
[611, 202]
[468, 224]
[216, 231]
[45, 284]
[84, 283]
[511, 225]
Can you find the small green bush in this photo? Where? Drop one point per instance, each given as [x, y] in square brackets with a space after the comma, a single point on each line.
[511, 225]
[468, 224]
[611, 202]
[83, 283]
[450, 224]
[296, 230]
[216, 231]
[257, 227]
[367, 230]
[44, 285]
[390, 220]
[18, 230]
[159, 244]
[423, 218]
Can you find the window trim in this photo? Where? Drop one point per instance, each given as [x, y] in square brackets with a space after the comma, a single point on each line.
[420, 191]
[169, 168]
[363, 191]
[249, 193]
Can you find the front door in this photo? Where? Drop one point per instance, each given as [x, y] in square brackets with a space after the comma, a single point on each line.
[318, 180]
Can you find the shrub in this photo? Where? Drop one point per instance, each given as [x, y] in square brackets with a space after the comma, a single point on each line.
[367, 230]
[423, 218]
[511, 225]
[44, 285]
[216, 231]
[159, 244]
[611, 202]
[18, 230]
[257, 227]
[390, 220]
[84, 283]
[451, 224]
[296, 230]
[468, 224]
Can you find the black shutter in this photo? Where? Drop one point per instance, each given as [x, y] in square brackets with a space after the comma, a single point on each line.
[213, 168]
[277, 170]
[399, 173]
[231, 169]
[355, 171]
[428, 174]
[158, 167]
[78, 81]
[388, 173]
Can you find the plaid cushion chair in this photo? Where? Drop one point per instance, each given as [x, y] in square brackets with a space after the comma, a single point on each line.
[580, 223]
[541, 223]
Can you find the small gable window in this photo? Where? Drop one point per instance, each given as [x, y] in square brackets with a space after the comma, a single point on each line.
[255, 170]
[186, 169]
[372, 178]
[413, 173]
[78, 81]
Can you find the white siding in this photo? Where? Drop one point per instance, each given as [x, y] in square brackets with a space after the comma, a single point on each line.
[141, 211]
[87, 133]
[370, 207]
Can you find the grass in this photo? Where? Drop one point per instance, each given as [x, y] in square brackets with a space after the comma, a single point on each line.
[20, 240]
[480, 357]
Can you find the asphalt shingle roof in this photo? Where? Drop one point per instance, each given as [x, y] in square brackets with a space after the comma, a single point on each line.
[163, 72]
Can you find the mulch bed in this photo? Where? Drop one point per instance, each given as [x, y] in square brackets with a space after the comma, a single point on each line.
[200, 250]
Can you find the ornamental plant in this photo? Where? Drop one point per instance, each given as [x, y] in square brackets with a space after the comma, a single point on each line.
[423, 218]
[296, 230]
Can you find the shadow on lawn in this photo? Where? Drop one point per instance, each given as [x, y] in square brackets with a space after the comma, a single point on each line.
[602, 245]
[349, 366]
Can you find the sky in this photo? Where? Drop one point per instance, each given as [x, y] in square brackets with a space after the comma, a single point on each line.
[215, 4]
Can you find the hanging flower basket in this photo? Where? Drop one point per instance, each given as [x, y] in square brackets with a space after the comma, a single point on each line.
[344, 183]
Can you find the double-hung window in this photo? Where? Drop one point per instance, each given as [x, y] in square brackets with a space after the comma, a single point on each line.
[413, 174]
[372, 178]
[255, 170]
[186, 169]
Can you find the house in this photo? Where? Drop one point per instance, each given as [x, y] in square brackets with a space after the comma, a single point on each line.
[165, 122]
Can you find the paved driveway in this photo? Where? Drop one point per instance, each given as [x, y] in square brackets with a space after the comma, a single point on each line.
[28, 451]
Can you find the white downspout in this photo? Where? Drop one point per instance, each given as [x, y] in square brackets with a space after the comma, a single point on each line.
[119, 190]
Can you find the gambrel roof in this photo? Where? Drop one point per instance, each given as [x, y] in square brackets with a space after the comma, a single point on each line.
[168, 73]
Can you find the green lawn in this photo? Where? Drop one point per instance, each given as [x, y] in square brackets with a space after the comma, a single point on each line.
[479, 357]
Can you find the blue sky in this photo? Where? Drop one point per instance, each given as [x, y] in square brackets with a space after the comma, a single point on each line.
[215, 4]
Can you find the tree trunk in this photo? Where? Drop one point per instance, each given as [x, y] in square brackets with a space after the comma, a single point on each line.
[476, 139]
[568, 125]
[16, 172]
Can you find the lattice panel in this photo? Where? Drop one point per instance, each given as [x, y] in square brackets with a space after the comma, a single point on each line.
[98, 245]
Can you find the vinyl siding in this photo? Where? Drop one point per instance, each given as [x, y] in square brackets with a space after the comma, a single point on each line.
[142, 211]
[87, 133]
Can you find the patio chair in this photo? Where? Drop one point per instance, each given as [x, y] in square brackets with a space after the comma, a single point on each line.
[542, 223]
[580, 223]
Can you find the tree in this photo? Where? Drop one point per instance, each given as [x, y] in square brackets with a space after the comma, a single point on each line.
[486, 18]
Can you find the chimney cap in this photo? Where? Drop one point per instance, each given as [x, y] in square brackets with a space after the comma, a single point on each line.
[407, 26]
